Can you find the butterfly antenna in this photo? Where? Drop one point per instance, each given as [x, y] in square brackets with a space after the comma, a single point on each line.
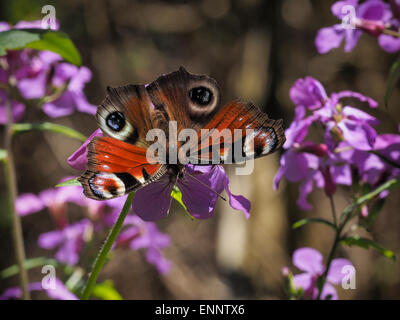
[208, 187]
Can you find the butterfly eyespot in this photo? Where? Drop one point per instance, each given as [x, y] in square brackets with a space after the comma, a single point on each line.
[116, 121]
[201, 95]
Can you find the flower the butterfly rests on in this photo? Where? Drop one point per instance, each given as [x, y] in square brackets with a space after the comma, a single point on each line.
[122, 160]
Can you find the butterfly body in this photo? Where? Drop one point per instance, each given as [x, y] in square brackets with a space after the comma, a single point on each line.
[119, 162]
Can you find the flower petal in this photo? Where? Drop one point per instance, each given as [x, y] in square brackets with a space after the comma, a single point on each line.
[60, 292]
[335, 274]
[329, 38]
[156, 258]
[329, 292]
[28, 203]
[309, 260]
[237, 202]
[360, 136]
[152, 201]
[78, 159]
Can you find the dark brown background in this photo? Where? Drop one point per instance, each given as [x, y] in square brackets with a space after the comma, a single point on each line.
[256, 50]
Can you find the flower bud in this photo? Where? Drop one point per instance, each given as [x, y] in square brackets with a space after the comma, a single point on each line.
[320, 150]
[330, 186]
[373, 27]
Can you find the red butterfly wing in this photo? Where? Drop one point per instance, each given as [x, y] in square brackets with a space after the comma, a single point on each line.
[239, 131]
[116, 168]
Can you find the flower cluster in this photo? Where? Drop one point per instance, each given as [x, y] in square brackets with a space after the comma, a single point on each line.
[55, 86]
[350, 150]
[70, 239]
[310, 261]
[375, 17]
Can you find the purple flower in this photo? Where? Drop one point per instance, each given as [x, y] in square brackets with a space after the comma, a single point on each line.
[199, 200]
[60, 292]
[349, 137]
[372, 169]
[73, 98]
[139, 234]
[372, 16]
[310, 261]
[28, 203]
[54, 199]
[41, 75]
[69, 241]
[17, 109]
[78, 159]
[308, 92]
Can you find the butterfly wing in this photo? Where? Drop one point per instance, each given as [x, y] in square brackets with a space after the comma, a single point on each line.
[118, 163]
[116, 168]
[190, 100]
[238, 132]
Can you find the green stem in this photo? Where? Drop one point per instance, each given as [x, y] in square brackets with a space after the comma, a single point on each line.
[48, 126]
[328, 264]
[391, 33]
[102, 256]
[335, 245]
[333, 210]
[11, 182]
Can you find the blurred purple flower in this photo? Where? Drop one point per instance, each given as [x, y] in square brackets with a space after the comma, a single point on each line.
[139, 234]
[310, 261]
[73, 98]
[198, 199]
[28, 203]
[54, 199]
[60, 292]
[69, 241]
[372, 16]
[42, 75]
[17, 109]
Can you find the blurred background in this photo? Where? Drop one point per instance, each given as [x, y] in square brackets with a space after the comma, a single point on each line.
[255, 50]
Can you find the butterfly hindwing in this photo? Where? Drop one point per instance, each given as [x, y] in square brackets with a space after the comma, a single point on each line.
[115, 168]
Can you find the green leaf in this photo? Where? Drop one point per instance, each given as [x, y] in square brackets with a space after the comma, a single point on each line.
[28, 264]
[177, 195]
[393, 77]
[391, 184]
[366, 244]
[19, 128]
[69, 183]
[305, 221]
[40, 39]
[16, 39]
[106, 291]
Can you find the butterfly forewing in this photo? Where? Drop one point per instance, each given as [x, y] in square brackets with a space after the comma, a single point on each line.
[251, 135]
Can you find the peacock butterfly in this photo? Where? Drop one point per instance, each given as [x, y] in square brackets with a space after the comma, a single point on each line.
[119, 162]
